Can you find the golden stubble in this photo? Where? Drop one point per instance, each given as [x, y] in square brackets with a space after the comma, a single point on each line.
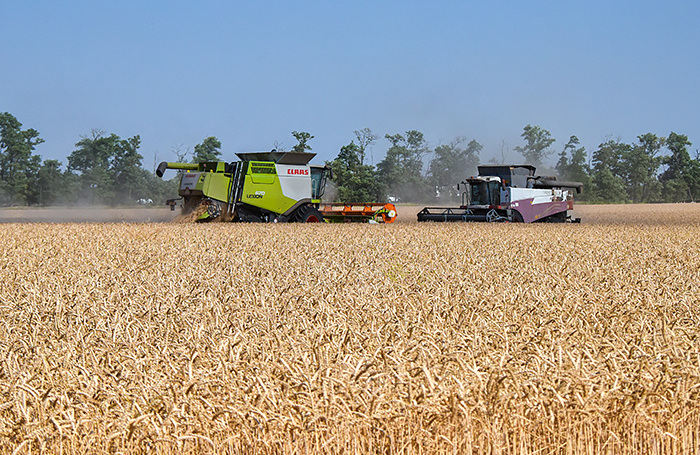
[411, 338]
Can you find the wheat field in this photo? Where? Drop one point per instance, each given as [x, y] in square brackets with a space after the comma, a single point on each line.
[340, 339]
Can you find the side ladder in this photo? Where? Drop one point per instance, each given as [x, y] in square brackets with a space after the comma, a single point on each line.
[235, 189]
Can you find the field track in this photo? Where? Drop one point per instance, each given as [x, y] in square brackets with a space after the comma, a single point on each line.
[158, 337]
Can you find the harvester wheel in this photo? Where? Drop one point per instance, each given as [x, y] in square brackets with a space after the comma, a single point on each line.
[308, 214]
[493, 216]
[213, 209]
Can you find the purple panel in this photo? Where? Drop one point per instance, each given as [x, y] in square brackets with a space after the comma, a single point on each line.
[533, 212]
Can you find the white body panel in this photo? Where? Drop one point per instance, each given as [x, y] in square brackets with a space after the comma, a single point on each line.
[539, 194]
[295, 180]
[189, 180]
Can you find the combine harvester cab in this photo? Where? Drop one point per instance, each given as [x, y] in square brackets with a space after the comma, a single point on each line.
[510, 193]
[262, 186]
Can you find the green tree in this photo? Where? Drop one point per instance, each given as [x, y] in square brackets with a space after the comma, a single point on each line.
[159, 190]
[681, 179]
[641, 164]
[573, 166]
[402, 168]
[608, 184]
[18, 164]
[302, 141]
[128, 177]
[537, 145]
[208, 150]
[355, 181]
[90, 161]
[50, 184]
[108, 168]
[452, 163]
[562, 166]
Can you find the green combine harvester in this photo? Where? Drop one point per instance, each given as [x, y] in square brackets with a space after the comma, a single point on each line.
[261, 187]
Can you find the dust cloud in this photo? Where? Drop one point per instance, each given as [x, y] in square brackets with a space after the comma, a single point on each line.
[87, 215]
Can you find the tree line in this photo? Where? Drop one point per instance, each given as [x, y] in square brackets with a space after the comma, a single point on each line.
[104, 169]
[652, 169]
[107, 169]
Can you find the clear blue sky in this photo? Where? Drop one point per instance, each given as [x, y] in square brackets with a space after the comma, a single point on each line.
[252, 72]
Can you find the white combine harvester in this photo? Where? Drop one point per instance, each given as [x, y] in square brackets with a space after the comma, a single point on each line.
[510, 193]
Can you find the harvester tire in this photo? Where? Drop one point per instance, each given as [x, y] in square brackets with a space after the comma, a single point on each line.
[308, 214]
